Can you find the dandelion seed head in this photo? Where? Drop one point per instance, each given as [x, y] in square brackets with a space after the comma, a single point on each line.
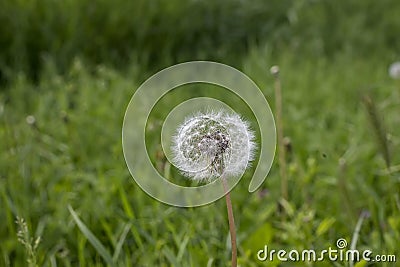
[30, 119]
[274, 70]
[210, 144]
[394, 70]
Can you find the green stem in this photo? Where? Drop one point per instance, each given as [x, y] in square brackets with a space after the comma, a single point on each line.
[231, 220]
[279, 130]
[356, 233]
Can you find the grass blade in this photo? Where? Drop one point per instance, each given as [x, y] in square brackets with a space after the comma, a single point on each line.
[121, 241]
[92, 238]
[170, 256]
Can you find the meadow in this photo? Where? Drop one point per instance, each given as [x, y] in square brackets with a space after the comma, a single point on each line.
[64, 90]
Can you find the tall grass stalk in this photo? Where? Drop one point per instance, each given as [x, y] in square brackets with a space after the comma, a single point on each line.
[343, 188]
[279, 127]
[31, 245]
[378, 127]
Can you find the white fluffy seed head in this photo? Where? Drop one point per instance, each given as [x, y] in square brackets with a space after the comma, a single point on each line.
[210, 144]
[394, 70]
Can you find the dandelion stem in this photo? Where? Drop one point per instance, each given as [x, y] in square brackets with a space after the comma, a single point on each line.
[279, 128]
[231, 220]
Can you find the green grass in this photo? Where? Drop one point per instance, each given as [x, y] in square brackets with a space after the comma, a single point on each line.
[157, 32]
[66, 176]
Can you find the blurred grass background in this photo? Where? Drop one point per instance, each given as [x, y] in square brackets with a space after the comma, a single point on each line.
[69, 68]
